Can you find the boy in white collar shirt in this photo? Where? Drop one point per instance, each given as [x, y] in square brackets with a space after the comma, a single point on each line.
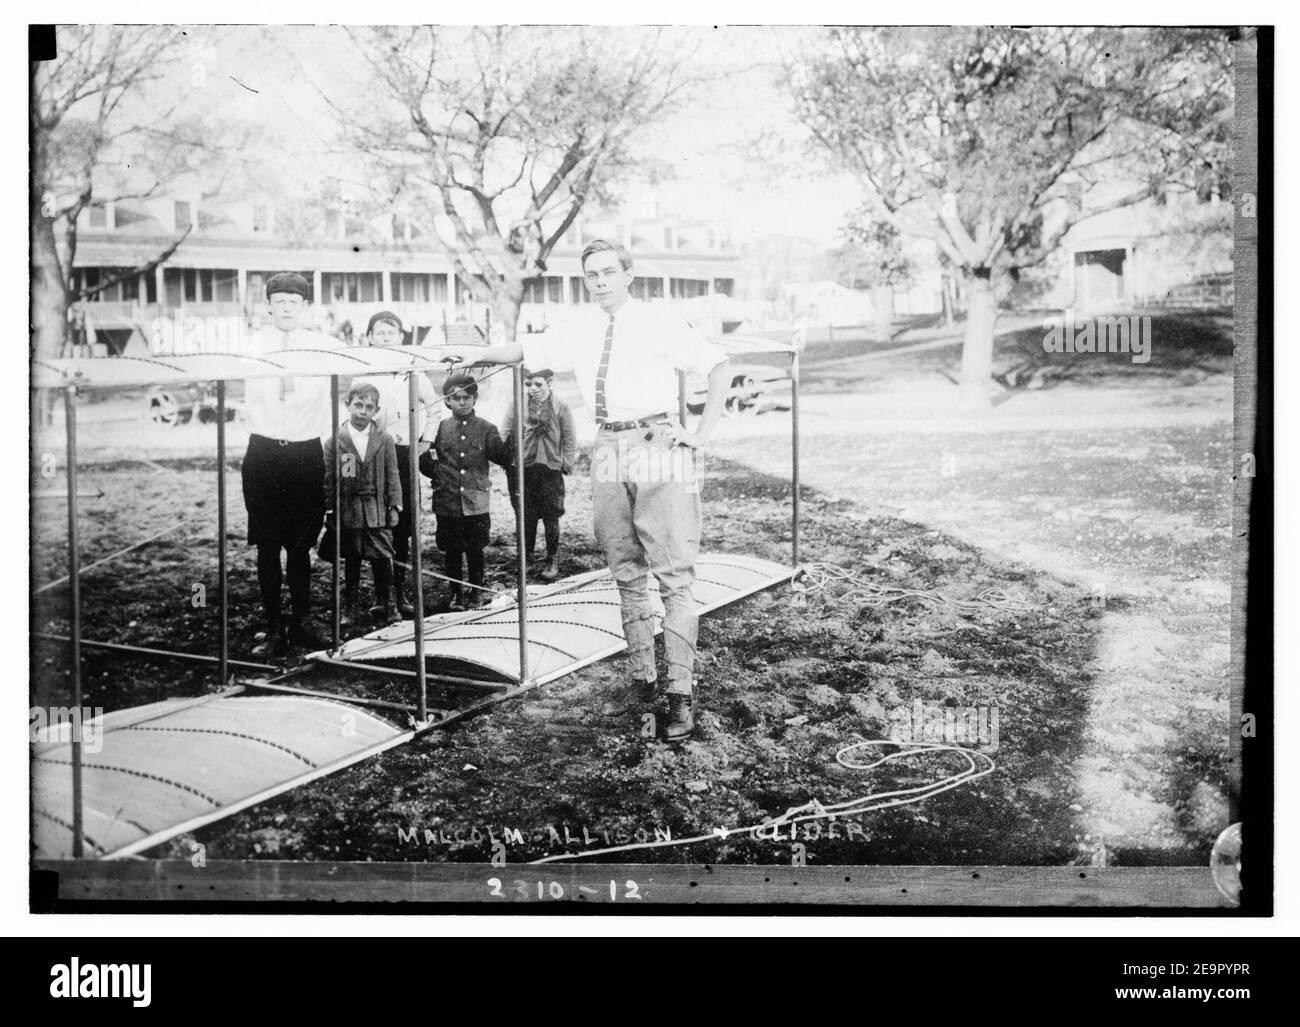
[283, 468]
[370, 502]
[645, 497]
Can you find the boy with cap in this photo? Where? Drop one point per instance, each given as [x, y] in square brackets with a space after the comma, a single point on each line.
[284, 468]
[550, 448]
[625, 355]
[385, 329]
[463, 446]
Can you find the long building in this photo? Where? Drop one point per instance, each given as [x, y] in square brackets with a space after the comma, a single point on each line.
[356, 267]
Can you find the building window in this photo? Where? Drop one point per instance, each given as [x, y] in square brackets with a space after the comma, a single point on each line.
[409, 287]
[532, 290]
[440, 289]
[724, 286]
[668, 239]
[571, 236]
[182, 215]
[712, 239]
[647, 288]
[261, 217]
[578, 290]
[554, 289]
[225, 285]
[98, 216]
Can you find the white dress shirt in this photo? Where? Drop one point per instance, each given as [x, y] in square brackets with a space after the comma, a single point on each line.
[650, 345]
[394, 401]
[360, 439]
[293, 409]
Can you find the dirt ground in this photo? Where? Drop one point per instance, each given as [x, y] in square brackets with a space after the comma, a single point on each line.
[1102, 506]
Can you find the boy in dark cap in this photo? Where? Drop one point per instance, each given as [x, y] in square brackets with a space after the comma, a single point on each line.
[550, 448]
[463, 446]
[284, 468]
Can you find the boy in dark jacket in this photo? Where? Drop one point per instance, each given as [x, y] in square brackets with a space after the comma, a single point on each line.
[550, 449]
[370, 501]
[461, 491]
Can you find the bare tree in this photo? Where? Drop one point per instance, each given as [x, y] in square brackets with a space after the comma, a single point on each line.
[99, 133]
[493, 138]
[987, 140]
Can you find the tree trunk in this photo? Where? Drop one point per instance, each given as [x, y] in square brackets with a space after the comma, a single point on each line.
[496, 392]
[977, 346]
[882, 304]
[949, 301]
[49, 295]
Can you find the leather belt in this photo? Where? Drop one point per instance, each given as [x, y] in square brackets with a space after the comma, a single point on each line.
[284, 442]
[641, 422]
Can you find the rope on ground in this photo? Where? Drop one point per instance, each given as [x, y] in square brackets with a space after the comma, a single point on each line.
[978, 765]
[820, 577]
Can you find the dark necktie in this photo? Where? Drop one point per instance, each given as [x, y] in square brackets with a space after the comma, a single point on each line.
[601, 413]
[286, 384]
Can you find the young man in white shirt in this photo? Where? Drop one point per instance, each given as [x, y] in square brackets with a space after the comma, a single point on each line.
[645, 496]
[284, 468]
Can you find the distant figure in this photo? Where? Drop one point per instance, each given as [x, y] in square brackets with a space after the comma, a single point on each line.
[284, 470]
[550, 448]
[370, 503]
[462, 448]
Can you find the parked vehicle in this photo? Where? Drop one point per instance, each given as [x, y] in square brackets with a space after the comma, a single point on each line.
[181, 404]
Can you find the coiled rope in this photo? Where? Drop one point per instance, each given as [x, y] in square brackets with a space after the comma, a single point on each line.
[978, 765]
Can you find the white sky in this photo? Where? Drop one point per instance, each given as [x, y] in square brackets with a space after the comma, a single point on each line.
[722, 174]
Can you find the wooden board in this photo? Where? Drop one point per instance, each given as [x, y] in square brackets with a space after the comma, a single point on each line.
[635, 885]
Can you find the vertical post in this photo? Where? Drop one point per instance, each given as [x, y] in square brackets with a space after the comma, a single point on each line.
[521, 573]
[223, 629]
[336, 629]
[794, 457]
[74, 613]
[681, 397]
[417, 575]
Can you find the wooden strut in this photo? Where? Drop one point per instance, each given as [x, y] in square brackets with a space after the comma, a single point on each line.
[794, 458]
[74, 604]
[520, 569]
[376, 668]
[311, 693]
[335, 604]
[223, 630]
[417, 580]
[170, 653]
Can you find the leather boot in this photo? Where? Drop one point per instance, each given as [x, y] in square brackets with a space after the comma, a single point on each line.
[400, 598]
[303, 636]
[349, 614]
[552, 569]
[681, 722]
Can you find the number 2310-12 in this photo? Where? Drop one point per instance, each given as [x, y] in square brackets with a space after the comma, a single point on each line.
[554, 890]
